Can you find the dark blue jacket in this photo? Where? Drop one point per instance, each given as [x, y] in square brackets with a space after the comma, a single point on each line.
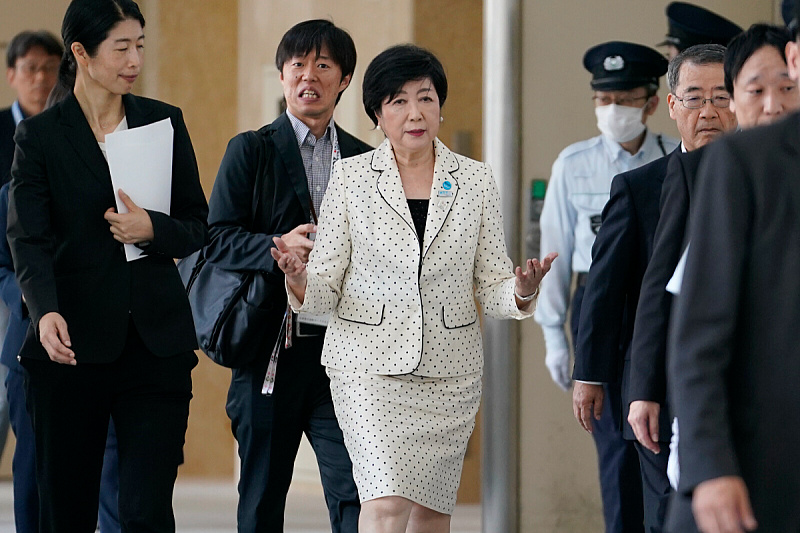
[18, 320]
[619, 258]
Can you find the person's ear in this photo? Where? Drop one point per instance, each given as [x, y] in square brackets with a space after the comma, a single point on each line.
[671, 101]
[81, 57]
[793, 60]
[345, 83]
[651, 105]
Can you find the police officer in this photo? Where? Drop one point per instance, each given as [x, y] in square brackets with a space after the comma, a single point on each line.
[689, 25]
[625, 79]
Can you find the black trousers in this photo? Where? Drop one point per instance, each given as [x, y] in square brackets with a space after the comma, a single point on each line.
[269, 429]
[655, 485]
[617, 458]
[148, 399]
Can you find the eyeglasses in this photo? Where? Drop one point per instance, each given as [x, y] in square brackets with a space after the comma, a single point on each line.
[696, 102]
[627, 101]
[31, 69]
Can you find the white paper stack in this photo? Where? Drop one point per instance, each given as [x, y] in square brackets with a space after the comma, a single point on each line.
[140, 161]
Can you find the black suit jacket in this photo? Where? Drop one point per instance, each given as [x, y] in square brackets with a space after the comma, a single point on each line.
[7, 127]
[734, 358]
[284, 202]
[620, 255]
[65, 256]
[649, 344]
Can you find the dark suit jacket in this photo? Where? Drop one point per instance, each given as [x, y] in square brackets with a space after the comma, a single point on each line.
[649, 344]
[18, 320]
[284, 202]
[65, 256]
[620, 255]
[734, 358]
[7, 127]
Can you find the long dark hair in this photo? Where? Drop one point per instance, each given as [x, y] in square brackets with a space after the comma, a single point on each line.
[88, 22]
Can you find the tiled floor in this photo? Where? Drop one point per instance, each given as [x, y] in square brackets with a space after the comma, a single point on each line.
[210, 507]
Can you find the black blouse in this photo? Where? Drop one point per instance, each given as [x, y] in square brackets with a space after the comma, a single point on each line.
[419, 213]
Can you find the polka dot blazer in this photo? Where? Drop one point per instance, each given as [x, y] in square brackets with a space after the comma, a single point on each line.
[396, 309]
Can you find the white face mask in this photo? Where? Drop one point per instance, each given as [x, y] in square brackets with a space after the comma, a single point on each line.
[620, 123]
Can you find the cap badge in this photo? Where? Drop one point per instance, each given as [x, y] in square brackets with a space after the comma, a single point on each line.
[614, 63]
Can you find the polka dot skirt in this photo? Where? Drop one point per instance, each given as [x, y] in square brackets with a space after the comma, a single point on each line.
[407, 435]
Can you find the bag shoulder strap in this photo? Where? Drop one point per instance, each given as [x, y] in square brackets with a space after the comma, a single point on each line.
[261, 142]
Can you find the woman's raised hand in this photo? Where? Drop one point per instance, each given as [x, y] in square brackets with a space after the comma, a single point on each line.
[528, 281]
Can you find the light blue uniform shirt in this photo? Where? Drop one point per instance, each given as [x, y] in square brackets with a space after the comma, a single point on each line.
[579, 187]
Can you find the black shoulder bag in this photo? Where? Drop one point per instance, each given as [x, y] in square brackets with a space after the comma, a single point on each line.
[231, 318]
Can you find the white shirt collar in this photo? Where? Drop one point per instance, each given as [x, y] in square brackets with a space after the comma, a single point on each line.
[16, 112]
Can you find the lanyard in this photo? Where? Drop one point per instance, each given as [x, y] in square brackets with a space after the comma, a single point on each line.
[285, 334]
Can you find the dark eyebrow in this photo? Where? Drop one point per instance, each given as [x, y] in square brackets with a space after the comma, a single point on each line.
[753, 79]
[424, 90]
[129, 40]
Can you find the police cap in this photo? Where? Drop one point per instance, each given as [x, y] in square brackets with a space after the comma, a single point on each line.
[788, 11]
[690, 25]
[620, 66]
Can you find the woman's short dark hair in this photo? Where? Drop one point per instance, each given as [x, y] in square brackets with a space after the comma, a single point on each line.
[23, 42]
[88, 22]
[393, 68]
[748, 43]
[310, 35]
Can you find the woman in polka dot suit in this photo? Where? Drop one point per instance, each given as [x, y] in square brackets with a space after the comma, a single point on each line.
[409, 236]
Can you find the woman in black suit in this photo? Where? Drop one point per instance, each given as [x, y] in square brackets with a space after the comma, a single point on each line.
[109, 338]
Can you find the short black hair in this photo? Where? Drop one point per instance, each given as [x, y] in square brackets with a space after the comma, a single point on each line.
[393, 68]
[748, 43]
[310, 35]
[23, 42]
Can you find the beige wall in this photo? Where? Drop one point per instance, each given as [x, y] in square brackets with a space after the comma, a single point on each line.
[559, 489]
[198, 75]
